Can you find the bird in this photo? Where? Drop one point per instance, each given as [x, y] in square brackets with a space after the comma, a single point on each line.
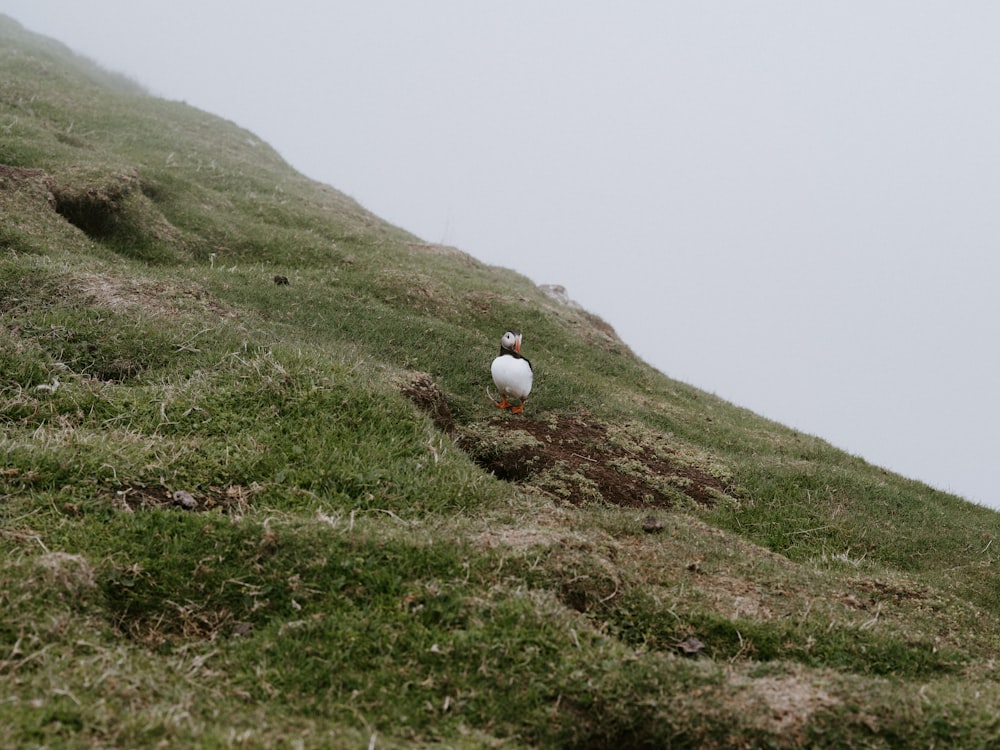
[512, 373]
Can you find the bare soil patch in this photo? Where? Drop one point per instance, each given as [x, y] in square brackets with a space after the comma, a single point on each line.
[13, 178]
[231, 499]
[575, 458]
[785, 704]
[420, 388]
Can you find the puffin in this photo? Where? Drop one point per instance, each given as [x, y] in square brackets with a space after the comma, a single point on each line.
[512, 372]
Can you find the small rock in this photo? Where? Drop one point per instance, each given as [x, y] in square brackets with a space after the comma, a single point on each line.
[185, 499]
[281, 280]
[242, 629]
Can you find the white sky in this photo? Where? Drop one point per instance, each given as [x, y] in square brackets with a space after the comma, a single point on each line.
[794, 205]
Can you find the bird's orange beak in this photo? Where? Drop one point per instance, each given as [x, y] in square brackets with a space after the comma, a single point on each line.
[517, 344]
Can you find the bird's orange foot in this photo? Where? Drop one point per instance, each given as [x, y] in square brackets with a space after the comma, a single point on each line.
[503, 404]
[517, 409]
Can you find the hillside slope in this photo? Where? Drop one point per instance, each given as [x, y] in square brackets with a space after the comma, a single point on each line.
[254, 492]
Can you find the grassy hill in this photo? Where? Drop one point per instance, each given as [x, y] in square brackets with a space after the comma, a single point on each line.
[240, 512]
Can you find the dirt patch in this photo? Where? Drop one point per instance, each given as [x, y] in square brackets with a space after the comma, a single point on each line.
[15, 178]
[868, 594]
[890, 591]
[232, 499]
[788, 701]
[420, 388]
[577, 459]
[70, 574]
[516, 538]
[122, 295]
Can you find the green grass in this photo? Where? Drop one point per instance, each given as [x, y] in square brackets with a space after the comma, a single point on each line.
[224, 522]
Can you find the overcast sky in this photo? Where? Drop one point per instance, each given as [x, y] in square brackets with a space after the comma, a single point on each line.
[794, 205]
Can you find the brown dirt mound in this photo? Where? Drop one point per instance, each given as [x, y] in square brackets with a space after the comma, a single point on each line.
[428, 396]
[576, 458]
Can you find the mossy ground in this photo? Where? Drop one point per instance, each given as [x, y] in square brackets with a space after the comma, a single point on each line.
[235, 512]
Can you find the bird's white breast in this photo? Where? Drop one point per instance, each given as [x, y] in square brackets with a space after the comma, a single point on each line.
[512, 376]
